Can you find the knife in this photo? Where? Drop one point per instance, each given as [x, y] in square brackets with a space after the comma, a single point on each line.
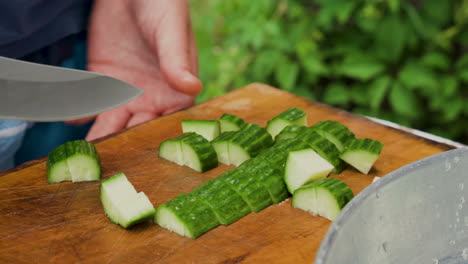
[37, 92]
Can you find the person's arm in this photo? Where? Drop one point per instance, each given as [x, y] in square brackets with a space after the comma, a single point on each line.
[150, 44]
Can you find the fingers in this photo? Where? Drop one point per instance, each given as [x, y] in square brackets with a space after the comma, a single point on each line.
[169, 38]
[81, 121]
[140, 117]
[108, 123]
[193, 52]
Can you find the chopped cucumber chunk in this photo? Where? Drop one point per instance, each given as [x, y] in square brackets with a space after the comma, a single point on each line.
[362, 154]
[290, 132]
[209, 129]
[241, 145]
[122, 204]
[230, 122]
[324, 148]
[190, 149]
[334, 131]
[292, 116]
[227, 204]
[186, 215]
[75, 160]
[253, 193]
[325, 197]
[303, 166]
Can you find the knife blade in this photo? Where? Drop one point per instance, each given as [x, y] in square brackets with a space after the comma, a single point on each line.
[36, 92]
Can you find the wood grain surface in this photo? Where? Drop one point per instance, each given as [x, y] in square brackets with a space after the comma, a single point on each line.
[65, 222]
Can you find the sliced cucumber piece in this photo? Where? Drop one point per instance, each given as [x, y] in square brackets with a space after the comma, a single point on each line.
[242, 145]
[362, 153]
[253, 193]
[290, 132]
[277, 154]
[325, 197]
[221, 146]
[186, 215]
[198, 153]
[324, 148]
[75, 160]
[209, 129]
[171, 149]
[303, 166]
[122, 204]
[292, 116]
[269, 177]
[230, 122]
[335, 132]
[227, 204]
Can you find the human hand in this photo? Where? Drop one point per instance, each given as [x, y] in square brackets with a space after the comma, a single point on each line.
[150, 44]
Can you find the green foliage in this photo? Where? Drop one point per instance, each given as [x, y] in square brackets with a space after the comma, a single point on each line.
[398, 60]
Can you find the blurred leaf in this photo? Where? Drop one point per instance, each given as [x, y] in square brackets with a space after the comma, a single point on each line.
[361, 71]
[357, 92]
[462, 62]
[286, 74]
[413, 75]
[423, 28]
[436, 60]
[377, 91]
[463, 75]
[404, 101]
[438, 11]
[394, 5]
[391, 48]
[453, 108]
[264, 64]
[336, 94]
[448, 86]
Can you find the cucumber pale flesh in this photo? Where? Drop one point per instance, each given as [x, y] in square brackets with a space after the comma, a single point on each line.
[362, 153]
[325, 197]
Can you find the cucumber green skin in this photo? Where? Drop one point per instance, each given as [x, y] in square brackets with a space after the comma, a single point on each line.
[324, 148]
[231, 119]
[227, 204]
[365, 144]
[333, 129]
[204, 150]
[342, 193]
[253, 138]
[268, 176]
[290, 114]
[290, 132]
[195, 214]
[253, 193]
[277, 154]
[69, 149]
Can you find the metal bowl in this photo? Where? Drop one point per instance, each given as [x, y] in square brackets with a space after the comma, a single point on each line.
[416, 214]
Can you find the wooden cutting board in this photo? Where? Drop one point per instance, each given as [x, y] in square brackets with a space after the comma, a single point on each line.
[65, 222]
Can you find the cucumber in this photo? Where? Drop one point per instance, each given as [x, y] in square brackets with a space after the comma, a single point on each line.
[303, 166]
[292, 116]
[277, 154]
[209, 129]
[171, 149]
[227, 204]
[186, 215]
[73, 161]
[122, 204]
[190, 149]
[290, 132]
[269, 177]
[242, 145]
[230, 122]
[335, 132]
[362, 153]
[253, 193]
[198, 153]
[324, 148]
[325, 197]
[221, 146]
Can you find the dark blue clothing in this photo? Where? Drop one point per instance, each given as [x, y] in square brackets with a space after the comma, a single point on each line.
[49, 32]
[29, 25]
